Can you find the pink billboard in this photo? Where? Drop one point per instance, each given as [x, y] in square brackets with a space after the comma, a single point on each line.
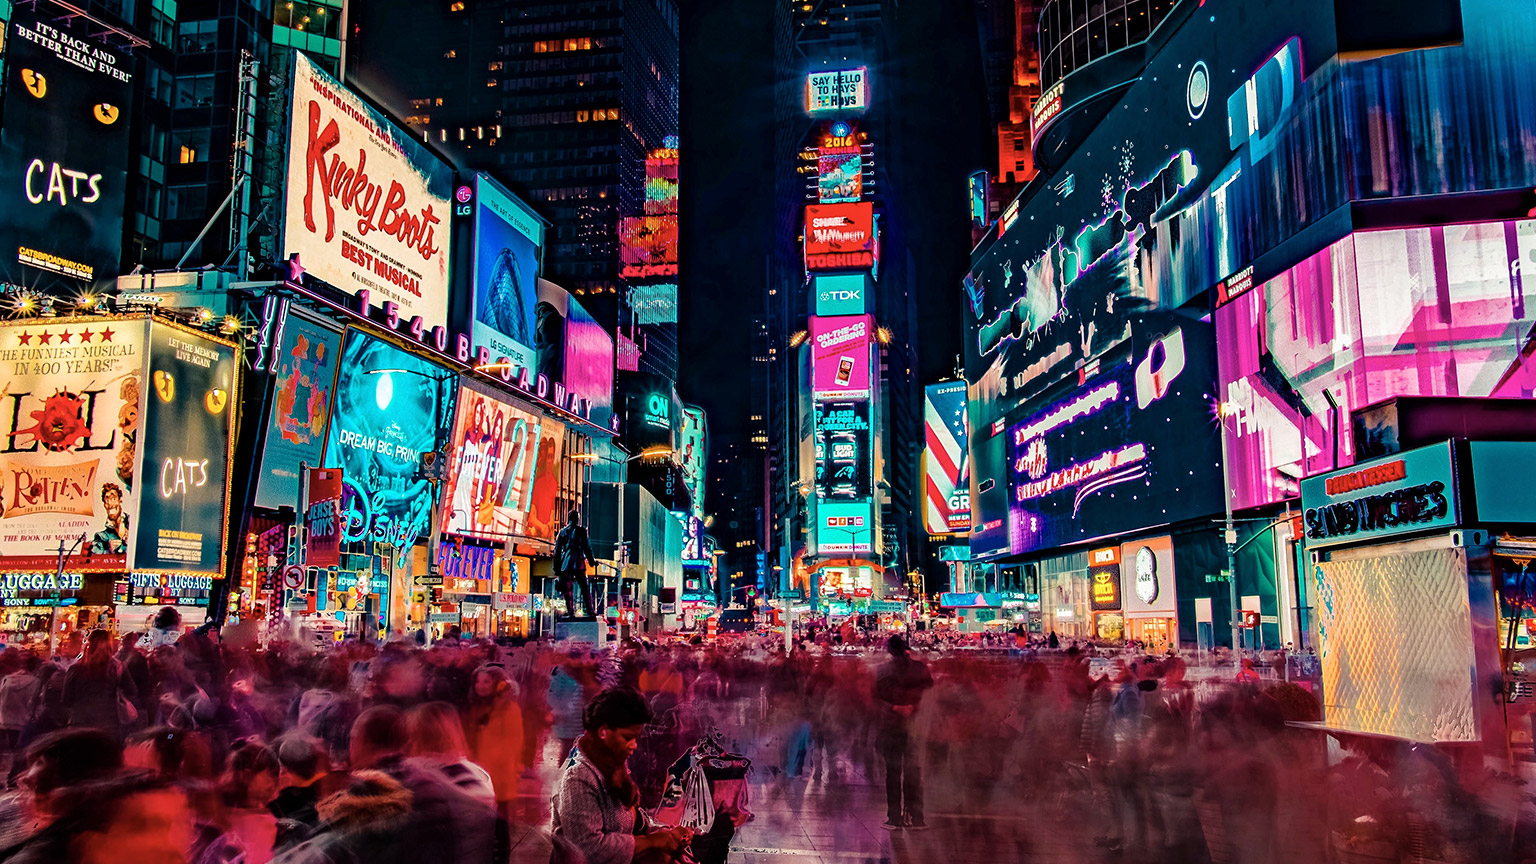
[840, 356]
[1438, 311]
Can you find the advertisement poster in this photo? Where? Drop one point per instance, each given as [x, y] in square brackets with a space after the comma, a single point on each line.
[839, 236]
[69, 431]
[322, 518]
[367, 203]
[588, 361]
[837, 90]
[840, 356]
[63, 152]
[386, 415]
[306, 375]
[693, 456]
[1146, 577]
[191, 397]
[549, 330]
[840, 177]
[503, 470]
[844, 457]
[509, 239]
[841, 294]
[1132, 447]
[946, 465]
[654, 304]
[844, 527]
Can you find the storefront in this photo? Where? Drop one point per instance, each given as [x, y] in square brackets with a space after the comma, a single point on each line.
[1104, 593]
[1066, 607]
[31, 602]
[1150, 593]
[1401, 551]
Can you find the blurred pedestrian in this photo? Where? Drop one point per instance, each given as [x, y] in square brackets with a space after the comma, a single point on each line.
[437, 742]
[19, 693]
[899, 688]
[93, 692]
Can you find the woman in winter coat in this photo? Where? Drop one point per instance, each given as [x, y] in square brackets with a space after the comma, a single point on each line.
[496, 733]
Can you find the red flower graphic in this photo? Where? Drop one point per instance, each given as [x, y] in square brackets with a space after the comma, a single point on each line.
[60, 422]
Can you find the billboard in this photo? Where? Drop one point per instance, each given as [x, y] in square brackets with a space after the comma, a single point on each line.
[186, 452]
[509, 238]
[844, 444]
[63, 152]
[841, 294]
[322, 518]
[386, 414]
[839, 236]
[837, 90]
[946, 465]
[692, 455]
[1433, 311]
[840, 356]
[588, 361]
[648, 246]
[69, 431]
[301, 404]
[654, 304]
[839, 177]
[1133, 446]
[650, 420]
[502, 476]
[367, 202]
[844, 527]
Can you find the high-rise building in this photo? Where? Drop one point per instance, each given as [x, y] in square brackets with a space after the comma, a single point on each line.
[564, 102]
[1010, 54]
[840, 405]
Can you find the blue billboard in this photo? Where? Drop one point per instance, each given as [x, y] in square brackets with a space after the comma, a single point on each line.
[509, 238]
[301, 404]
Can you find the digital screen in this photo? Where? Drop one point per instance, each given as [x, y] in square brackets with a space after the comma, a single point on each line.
[839, 236]
[367, 202]
[1444, 311]
[502, 477]
[693, 457]
[843, 442]
[301, 404]
[63, 152]
[1132, 446]
[946, 465]
[648, 246]
[650, 420]
[840, 356]
[841, 294]
[509, 239]
[588, 361]
[654, 304]
[187, 411]
[73, 401]
[844, 527]
[386, 414]
[839, 177]
[838, 90]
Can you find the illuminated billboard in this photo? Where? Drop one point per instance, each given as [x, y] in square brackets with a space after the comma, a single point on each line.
[654, 304]
[301, 404]
[1133, 446]
[692, 454]
[946, 462]
[186, 452]
[502, 477]
[387, 411]
[844, 528]
[574, 352]
[73, 400]
[63, 152]
[840, 356]
[839, 236]
[367, 202]
[844, 441]
[509, 238]
[841, 294]
[839, 177]
[1436, 311]
[836, 90]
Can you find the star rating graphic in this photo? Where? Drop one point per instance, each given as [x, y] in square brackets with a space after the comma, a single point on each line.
[106, 335]
[82, 337]
[24, 338]
[44, 338]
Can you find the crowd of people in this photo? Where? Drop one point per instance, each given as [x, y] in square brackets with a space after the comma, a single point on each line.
[173, 746]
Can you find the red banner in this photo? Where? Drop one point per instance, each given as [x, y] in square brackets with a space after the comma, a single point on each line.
[323, 517]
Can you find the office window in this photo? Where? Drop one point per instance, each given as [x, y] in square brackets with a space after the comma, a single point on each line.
[191, 145]
[456, 6]
[198, 36]
[186, 202]
[194, 91]
[450, 54]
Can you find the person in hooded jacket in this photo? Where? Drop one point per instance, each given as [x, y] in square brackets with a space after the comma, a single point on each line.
[495, 731]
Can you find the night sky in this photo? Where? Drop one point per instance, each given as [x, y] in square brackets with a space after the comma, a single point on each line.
[727, 184]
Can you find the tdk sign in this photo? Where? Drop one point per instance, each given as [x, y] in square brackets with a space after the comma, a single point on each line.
[840, 295]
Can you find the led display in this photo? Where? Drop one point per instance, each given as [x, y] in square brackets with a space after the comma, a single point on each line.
[840, 356]
[843, 444]
[63, 152]
[502, 477]
[1442, 311]
[839, 236]
[654, 304]
[386, 414]
[366, 200]
[509, 238]
[841, 294]
[186, 449]
[69, 433]
[844, 527]
[946, 466]
[839, 177]
[588, 361]
[1133, 446]
[692, 456]
[836, 90]
[301, 404]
